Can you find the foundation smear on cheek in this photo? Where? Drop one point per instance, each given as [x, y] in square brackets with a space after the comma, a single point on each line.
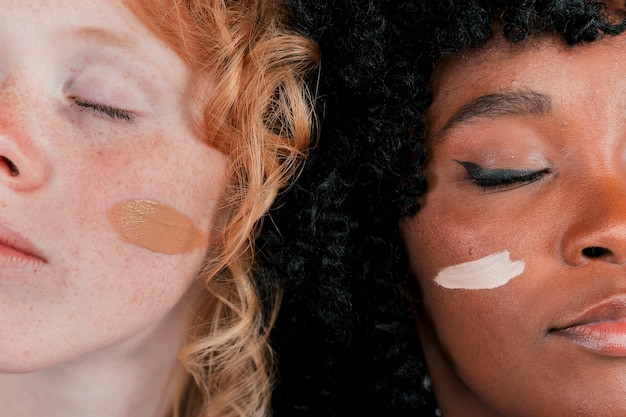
[486, 273]
[155, 226]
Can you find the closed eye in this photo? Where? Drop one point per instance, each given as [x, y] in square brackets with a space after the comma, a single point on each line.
[103, 110]
[503, 178]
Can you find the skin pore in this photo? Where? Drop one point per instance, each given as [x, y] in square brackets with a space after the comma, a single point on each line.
[95, 112]
[527, 154]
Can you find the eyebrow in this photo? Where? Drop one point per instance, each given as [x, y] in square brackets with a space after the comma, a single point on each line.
[492, 106]
[103, 36]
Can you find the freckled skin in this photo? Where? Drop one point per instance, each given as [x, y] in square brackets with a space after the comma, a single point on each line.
[491, 353]
[94, 290]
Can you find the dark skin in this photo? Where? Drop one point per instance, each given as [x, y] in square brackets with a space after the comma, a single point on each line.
[527, 153]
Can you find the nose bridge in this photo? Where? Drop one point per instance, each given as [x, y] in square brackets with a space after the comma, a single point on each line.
[23, 165]
[597, 229]
[18, 96]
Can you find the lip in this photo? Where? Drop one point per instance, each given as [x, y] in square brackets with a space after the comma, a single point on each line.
[16, 250]
[601, 329]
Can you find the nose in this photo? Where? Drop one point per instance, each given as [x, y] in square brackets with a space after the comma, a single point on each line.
[597, 232]
[23, 165]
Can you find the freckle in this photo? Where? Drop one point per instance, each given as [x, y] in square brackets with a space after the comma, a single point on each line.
[30, 308]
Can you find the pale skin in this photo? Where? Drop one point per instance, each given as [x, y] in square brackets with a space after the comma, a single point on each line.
[548, 121]
[94, 111]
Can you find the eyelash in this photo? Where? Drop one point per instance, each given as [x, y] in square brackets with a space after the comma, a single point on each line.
[105, 111]
[495, 179]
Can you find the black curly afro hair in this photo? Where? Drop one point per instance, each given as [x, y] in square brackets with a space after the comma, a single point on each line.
[345, 337]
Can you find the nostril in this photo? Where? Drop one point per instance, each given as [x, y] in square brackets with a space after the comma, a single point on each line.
[595, 252]
[12, 167]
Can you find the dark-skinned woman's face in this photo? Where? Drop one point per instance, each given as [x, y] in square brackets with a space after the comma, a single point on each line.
[519, 247]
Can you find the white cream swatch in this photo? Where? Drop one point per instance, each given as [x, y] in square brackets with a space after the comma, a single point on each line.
[486, 273]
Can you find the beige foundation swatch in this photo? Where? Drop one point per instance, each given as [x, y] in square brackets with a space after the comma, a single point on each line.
[155, 226]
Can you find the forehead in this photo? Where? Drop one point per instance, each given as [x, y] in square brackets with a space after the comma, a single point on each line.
[43, 29]
[108, 21]
[543, 65]
[51, 12]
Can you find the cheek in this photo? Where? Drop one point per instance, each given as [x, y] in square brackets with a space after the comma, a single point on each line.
[434, 243]
[142, 215]
[188, 181]
[464, 270]
[462, 252]
[474, 281]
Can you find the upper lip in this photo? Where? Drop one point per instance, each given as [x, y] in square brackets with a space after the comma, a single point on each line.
[12, 239]
[612, 309]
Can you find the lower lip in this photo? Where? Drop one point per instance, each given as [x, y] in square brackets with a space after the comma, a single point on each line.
[605, 338]
[13, 258]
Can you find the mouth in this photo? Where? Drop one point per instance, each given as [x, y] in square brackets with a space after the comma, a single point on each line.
[16, 250]
[601, 329]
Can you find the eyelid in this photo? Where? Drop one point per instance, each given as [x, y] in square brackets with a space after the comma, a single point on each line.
[502, 178]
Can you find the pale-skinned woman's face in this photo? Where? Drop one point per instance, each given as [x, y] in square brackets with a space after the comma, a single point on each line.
[108, 194]
[519, 247]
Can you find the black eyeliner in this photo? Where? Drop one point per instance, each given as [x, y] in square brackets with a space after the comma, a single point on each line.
[501, 177]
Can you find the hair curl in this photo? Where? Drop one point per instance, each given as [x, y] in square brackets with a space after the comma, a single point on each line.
[251, 74]
[345, 335]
